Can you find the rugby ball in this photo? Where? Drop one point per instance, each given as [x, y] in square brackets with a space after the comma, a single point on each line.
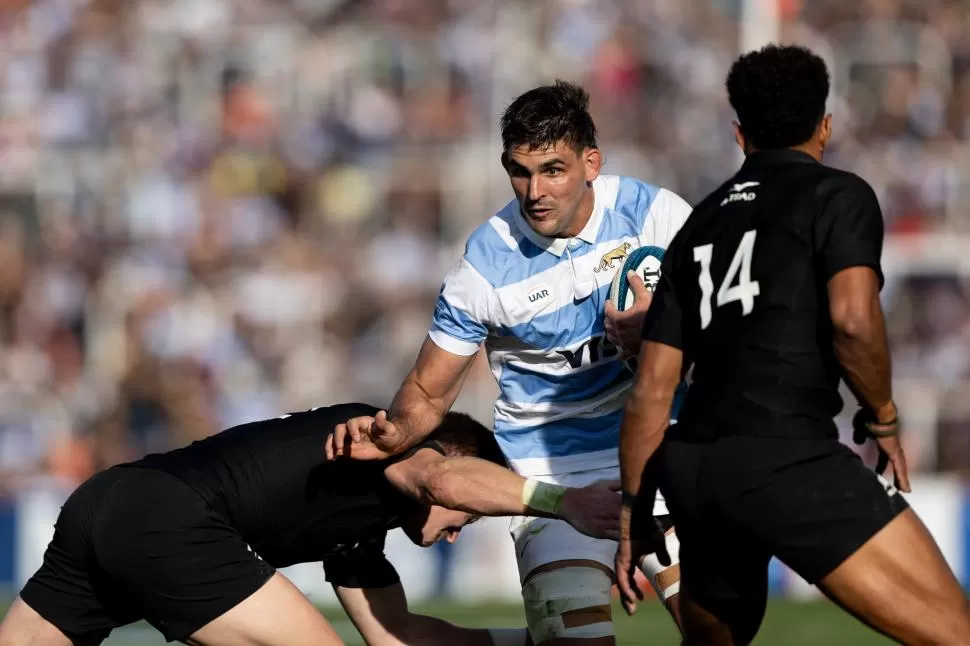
[645, 261]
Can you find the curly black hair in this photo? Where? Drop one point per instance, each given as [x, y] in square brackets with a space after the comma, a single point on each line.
[460, 434]
[779, 94]
[546, 115]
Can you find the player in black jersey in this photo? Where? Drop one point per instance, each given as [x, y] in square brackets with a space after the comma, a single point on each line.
[770, 292]
[190, 539]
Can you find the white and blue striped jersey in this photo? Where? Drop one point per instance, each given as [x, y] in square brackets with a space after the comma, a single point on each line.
[538, 305]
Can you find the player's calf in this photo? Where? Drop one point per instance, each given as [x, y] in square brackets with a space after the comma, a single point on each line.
[568, 603]
[899, 583]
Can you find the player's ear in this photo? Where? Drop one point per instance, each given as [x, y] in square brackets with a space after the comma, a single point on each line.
[824, 131]
[505, 160]
[592, 163]
[739, 137]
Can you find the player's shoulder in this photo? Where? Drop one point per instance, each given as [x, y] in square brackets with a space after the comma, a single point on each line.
[636, 198]
[832, 181]
[495, 244]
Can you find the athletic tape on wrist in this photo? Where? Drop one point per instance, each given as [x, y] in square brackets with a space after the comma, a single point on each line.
[542, 496]
[508, 636]
[889, 429]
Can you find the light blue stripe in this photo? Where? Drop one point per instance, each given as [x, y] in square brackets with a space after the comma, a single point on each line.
[500, 265]
[567, 326]
[525, 387]
[635, 198]
[456, 322]
[560, 439]
[489, 253]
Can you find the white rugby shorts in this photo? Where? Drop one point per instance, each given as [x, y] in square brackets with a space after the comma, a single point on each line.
[540, 541]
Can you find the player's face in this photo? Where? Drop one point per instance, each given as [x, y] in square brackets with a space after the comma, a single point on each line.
[553, 186]
[433, 524]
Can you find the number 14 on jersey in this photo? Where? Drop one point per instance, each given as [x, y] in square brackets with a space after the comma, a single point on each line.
[745, 290]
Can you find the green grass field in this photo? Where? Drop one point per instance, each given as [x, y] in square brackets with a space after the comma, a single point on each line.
[787, 624]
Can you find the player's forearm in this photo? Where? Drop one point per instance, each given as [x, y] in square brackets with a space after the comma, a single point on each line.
[416, 413]
[862, 349]
[480, 487]
[645, 421]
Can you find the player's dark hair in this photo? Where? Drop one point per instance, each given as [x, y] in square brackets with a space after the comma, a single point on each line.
[779, 94]
[460, 434]
[547, 115]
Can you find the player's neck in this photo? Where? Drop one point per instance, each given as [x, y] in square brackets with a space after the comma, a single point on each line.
[810, 148]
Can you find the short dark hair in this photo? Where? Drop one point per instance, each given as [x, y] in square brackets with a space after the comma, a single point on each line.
[546, 115]
[779, 94]
[460, 434]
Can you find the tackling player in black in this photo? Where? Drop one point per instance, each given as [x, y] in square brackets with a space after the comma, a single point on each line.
[771, 293]
[190, 539]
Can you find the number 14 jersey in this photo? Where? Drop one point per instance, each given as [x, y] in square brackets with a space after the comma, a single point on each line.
[743, 292]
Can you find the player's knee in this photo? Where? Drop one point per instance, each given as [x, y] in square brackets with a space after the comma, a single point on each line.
[665, 579]
[569, 603]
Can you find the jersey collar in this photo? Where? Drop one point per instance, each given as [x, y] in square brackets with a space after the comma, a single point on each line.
[780, 156]
[556, 246]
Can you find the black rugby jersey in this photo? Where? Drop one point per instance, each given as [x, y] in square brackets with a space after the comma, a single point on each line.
[743, 293]
[271, 482]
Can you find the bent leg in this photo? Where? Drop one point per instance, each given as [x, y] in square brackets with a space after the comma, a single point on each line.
[567, 581]
[275, 615]
[664, 579]
[899, 584]
[23, 626]
[567, 603]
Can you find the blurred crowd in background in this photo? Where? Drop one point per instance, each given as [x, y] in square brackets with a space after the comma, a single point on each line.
[213, 211]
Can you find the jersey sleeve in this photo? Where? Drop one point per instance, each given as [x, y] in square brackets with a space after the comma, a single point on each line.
[666, 216]
[461, 315]
[849, 229]
[362, 565]
[663, 322]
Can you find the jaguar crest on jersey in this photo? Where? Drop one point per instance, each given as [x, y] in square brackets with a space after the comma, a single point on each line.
[612, 256]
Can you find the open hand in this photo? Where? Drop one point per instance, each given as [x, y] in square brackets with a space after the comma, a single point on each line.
[594, 509]
[364, 438]
[866, 425]
[624, 329]
[629, 553]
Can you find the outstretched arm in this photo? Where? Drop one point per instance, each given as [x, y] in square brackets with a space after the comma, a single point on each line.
[382, 617]
[480, 487]
[424, 398]
[459, 326]
[428, 392]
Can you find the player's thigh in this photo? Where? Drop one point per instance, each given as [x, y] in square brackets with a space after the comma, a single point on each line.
[23, 626]
[277, 614]
[567, 579]
[899, 583]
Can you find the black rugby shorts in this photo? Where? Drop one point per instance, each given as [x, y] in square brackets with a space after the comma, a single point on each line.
[134, 543]
[738, 501]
